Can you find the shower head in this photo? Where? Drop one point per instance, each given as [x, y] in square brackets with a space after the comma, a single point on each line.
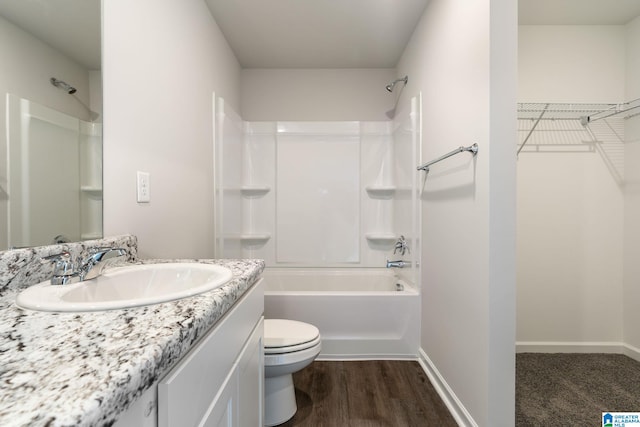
[391, 85]
[93, 116]
[63, 85]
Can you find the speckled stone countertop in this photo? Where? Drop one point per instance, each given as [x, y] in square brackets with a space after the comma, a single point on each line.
[84, 369]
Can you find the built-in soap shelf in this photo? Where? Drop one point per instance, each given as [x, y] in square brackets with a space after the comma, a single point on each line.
[254, 190]
[91, 190]
[381, 238]
[252, 239]
[381, 191]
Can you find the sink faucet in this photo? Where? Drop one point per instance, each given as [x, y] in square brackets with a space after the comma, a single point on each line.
[67, 271]
[98, 260]
[398, 264]
[64, 270]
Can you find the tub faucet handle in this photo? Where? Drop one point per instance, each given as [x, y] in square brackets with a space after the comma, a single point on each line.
[402, 246]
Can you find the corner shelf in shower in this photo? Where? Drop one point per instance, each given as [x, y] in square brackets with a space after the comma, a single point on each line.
[381, 238]
[381, 191]
[254, 239]
[254, 190]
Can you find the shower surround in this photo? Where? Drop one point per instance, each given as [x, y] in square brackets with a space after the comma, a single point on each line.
[316, 194]
[325, 203]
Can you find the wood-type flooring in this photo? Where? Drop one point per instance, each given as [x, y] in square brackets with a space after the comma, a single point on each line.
[374, 393]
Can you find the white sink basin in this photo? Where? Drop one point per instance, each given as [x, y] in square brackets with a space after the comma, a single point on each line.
[129, 286]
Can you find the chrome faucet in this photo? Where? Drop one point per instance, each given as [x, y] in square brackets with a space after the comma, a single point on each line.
[98, 260]
[401, 246]
[67, 271]
[64, 270]
[398, 264]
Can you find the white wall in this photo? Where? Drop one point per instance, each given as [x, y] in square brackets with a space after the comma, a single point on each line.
[27, 66]
[570, 204]
[571, 63]
[462, 57]
[162, 61]
[317, 94]
[631, 294]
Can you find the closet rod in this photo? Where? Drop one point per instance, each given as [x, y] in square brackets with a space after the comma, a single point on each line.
[593, 118]
[472, 148]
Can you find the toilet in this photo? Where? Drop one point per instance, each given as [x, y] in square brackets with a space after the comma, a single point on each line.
[289, 346]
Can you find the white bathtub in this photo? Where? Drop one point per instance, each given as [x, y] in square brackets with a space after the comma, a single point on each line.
[361, 312]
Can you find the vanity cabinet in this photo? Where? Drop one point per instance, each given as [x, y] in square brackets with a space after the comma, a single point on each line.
[219, 382]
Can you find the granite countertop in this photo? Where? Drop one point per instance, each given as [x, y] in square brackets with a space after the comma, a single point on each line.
[84, 369]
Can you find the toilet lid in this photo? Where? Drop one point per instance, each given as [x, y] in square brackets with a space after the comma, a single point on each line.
[279, 333]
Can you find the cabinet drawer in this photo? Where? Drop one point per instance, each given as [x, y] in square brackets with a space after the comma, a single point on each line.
[185, 394]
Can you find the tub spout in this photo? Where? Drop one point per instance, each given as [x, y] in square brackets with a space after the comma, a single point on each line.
[398, 264]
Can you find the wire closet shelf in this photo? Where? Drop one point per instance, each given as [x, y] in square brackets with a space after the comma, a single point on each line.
[573, 119]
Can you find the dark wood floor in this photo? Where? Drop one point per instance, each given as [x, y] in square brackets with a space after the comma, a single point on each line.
[367, 394]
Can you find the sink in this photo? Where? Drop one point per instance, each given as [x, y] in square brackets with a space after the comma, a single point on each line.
[128, 286]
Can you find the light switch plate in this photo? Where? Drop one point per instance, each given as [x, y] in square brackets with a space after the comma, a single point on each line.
[143, 193]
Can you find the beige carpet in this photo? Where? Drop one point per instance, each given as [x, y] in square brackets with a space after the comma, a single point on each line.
[574, 389]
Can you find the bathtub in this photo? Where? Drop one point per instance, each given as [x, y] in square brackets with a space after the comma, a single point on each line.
[362, 313]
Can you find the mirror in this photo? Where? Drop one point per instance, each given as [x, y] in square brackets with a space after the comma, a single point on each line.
[50, 122]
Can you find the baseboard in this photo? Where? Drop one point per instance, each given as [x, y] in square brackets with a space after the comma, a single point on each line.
[569, 347]
[631, 351]
[578, 347]
[457, 409]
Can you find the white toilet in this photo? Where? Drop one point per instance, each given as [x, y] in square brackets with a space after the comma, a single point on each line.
[289, 346]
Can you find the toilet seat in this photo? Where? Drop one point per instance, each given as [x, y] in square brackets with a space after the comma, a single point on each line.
[291, 348]
[288, 336]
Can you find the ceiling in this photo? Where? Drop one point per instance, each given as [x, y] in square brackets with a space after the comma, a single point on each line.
[296, 33]
[577, 12]
[70, 26]
[317, 34]
[366, 33]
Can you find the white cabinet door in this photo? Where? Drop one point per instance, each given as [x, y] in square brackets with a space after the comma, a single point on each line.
[222, 412]
[239, 403]
[251, 381]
